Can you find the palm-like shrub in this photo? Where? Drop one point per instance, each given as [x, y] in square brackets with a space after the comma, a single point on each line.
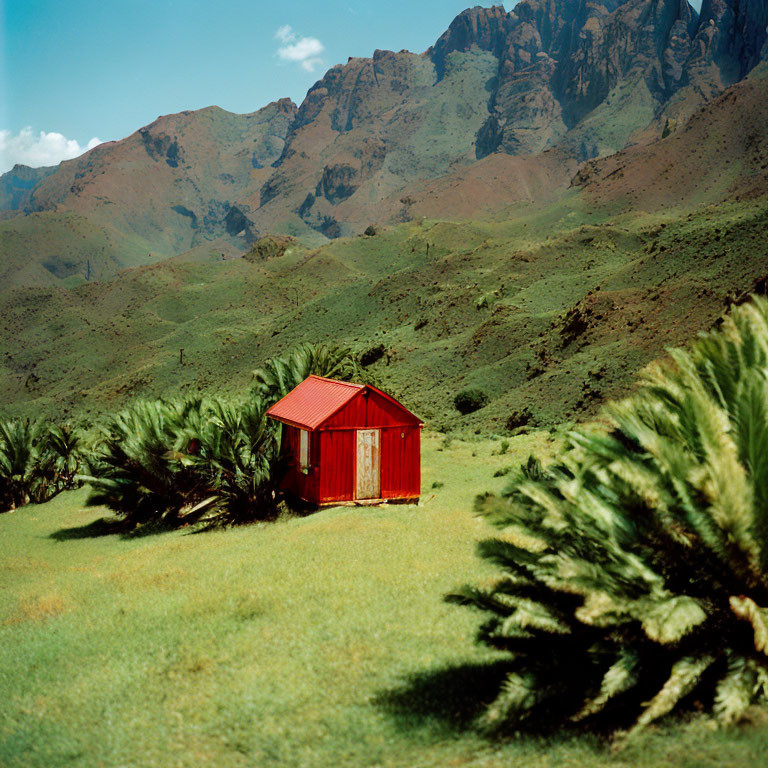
[233, 447]
[62, 453]
[19, 477]
[279, 375]
[173, 460]
[37, 460]
[635, 570]
[134, 470]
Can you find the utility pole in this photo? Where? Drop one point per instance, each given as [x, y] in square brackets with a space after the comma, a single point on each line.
[181, 356]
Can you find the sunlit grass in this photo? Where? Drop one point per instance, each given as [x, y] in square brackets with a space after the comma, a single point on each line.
[315, 641]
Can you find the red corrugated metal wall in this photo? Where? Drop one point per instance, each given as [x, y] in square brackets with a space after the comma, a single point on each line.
[337, 481]
[369, 410]
[333, 452]
[400, 462]
[302, 485]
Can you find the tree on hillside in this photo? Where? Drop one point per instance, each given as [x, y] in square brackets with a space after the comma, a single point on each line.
[635, 569]
[279, 375]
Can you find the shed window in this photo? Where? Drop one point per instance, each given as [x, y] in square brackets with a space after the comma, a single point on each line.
[304, 450]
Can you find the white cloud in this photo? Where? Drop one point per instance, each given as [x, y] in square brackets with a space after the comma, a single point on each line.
[285, 34]
[37, 149]
[305, 51]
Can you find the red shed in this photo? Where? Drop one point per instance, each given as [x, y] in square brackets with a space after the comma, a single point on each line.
[348, 442]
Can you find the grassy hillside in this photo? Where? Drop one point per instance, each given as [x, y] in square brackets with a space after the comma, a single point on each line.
[549, 306]
[549, 309]
[317, 641]
[65, 249]
[720, 153]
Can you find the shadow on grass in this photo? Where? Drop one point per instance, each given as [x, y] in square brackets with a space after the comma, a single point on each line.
[448, 702]
[101, 527]
[105, 526]
[190, 524]
[448, 699]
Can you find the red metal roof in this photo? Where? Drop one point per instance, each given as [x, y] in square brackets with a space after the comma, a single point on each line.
[313, 401]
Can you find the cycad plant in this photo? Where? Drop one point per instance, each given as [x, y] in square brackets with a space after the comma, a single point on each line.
[19, 454]
[279, 375]
[134, 470]
[635, 569]
[171, 461]
[37, 460]
[62, 453]
[233, 446]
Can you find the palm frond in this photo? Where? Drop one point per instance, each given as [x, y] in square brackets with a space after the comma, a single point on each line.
[656, 531]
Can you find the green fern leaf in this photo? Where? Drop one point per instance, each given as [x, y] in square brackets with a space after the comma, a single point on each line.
[670, 620]
[620, 677]
[684, 677]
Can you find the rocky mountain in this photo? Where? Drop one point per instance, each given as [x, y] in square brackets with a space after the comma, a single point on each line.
[177, 179]
[502, 108]
[721, 153]
[17, 185]
[163, 190]
[548, 308]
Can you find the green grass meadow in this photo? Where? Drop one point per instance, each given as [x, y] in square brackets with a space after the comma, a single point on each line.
[313, 641]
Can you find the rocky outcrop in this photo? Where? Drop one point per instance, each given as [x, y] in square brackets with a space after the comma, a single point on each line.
[585, 77]
[272, 247]
[338, 182]
[160, 146]
[17, 184]
[236, 223]
[728, 42]
[478, 27]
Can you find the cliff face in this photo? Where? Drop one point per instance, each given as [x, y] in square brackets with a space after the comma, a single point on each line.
[728, 42]
[173, 183]
[584, 78]
[17, 185]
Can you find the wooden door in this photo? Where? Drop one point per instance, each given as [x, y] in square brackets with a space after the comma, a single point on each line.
[368, 485]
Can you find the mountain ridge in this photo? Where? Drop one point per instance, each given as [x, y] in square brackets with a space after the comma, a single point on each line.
[584, 78]
[547, 283]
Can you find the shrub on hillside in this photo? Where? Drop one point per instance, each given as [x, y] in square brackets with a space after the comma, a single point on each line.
[469, 400]
[234, 447]
[635, 570]
[63, 455]
[518, 419]
[134, 471]
[372, 355]
[19, 475]
[37, 461]
[173, 460]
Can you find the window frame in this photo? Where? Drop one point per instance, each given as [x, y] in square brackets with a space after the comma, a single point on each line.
[304, 454]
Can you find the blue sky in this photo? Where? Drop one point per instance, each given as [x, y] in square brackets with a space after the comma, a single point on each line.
[80, 69]
[104, 68]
